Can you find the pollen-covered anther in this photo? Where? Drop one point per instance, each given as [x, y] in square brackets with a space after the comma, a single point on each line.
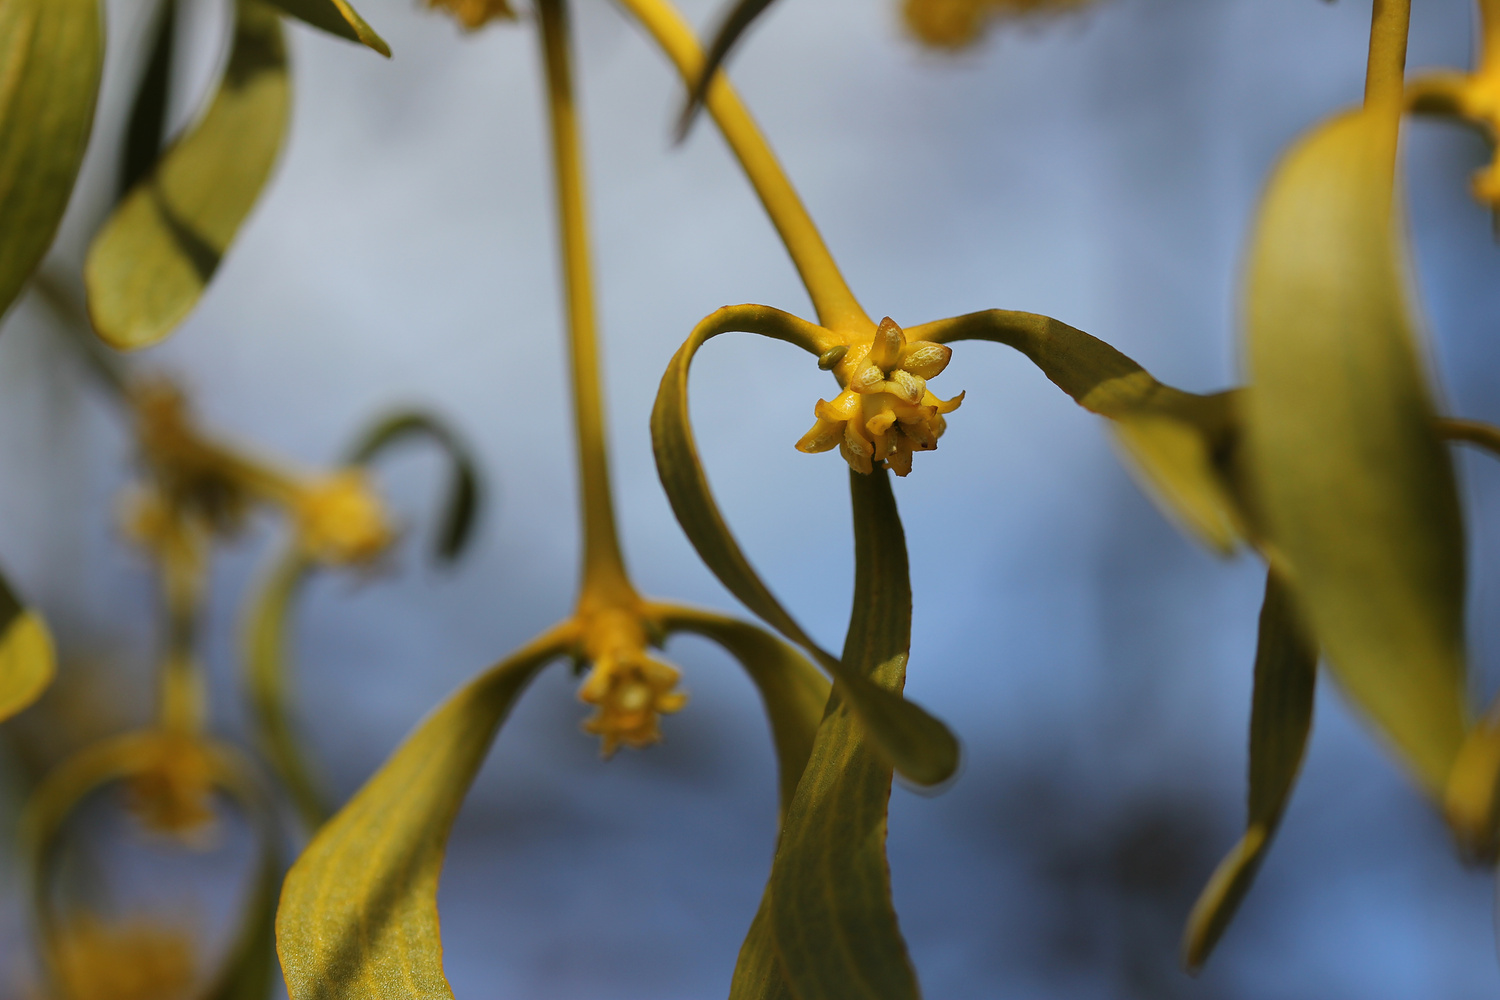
[886, 411]
[630, 689]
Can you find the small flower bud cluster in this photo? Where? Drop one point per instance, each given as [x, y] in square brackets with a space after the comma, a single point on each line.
[630, 689]
[886, 411]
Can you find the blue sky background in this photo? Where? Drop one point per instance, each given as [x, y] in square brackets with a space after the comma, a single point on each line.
[1102, 169]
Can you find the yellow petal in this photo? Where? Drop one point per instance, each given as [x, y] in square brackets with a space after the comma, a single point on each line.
[825, 434]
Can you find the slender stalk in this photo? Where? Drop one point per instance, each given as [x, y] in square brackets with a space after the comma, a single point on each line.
[832, 299]
[604, 577]
[1489, 32]
[1386, 71]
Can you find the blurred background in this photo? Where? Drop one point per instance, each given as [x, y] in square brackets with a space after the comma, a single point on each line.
[1103, 168]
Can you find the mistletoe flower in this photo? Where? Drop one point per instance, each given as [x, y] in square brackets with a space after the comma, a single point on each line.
[340, 519]
[886, 411]
[174, 792]
[474, 14]
[631, 689]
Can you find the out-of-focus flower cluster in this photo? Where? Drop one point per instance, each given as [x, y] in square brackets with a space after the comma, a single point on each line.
[955, 24]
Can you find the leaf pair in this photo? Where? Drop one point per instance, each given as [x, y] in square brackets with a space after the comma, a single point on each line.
[358, 915]
[247, 971]
[919, 746]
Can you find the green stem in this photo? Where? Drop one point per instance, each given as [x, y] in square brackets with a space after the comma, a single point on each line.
[604, 577]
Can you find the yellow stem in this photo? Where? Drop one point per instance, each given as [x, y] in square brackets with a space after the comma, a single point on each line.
[604, 577]
[834, 303]
[1489, 32]
[1386, 71]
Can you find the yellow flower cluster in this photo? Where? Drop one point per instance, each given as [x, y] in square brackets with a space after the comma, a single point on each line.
[474, 14]
[886, 411]
[95, 960]
[174, 793]
[954, 24]
[341, 520]
[630, 689]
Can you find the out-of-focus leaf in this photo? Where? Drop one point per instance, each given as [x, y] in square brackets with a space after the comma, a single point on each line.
[266, 678]
[1179, 442]
[757, 971]
[249, 969]
[737, 19]
[1470, 802]
[51, 55]
[358, 915]
[27, 663]
[150, 263]
[793, 691]
[335, 17]
[464, 496]
[148, 112]
[1286, 674]
[1355, 487]
[830, 893]
[919, 746]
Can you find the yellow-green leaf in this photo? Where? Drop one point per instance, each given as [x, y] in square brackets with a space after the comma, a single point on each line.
[1179, 441]
[150, 263]
[336, 17]
[358, 915]
[146, 129]
[792, 690]
[1355, 488]
[51, 55]
[27, 662]
[919, 746]
[740, 15]
[266, 678]
[1286, 674]
[830, 893]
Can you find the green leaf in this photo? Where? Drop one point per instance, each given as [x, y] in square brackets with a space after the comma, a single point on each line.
[148, 112]
[831, 910]
[51, 56]
[1355, 487]
[919, 746]
[150, 263]
[464, 495]
[27, 662]
[793, 691]
[358, 915]
[1179, 442]
[266, 677]
[738, 18]
[335, 17]
[1286, 674]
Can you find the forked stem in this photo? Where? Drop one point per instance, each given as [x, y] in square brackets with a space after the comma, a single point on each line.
[835, 304]
[604, 578]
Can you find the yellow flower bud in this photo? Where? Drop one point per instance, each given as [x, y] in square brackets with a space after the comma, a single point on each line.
[341, 520]
[474, 14]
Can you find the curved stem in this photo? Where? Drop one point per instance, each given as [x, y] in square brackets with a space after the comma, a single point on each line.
[1386, 70]
[603, 566]
[1475, 432]
[832, 299]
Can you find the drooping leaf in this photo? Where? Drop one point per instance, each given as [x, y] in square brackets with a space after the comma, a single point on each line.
[830, 892]
[27, 662]
[793, 691]
[146, 129]
[249, 969]
[51, 56]
[336, 17]
[462, 504]
[150, 263]
[740, 15]
[1356, 489]
[266, 677]
[1286, 673]
[358, 915]
[1180, 442]
[919, 746]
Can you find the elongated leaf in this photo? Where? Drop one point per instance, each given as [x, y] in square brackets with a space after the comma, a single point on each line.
[919, 746]
[146, 129]
[51, 56]
[336, 17]
[1356, 489]
[27, 662]
[464, 495]
[740, 15]
[832, 915]
[793, 691]
[358, 915]
[1286, 674]
[266, 678]
[150, 263]
[1180, 442]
